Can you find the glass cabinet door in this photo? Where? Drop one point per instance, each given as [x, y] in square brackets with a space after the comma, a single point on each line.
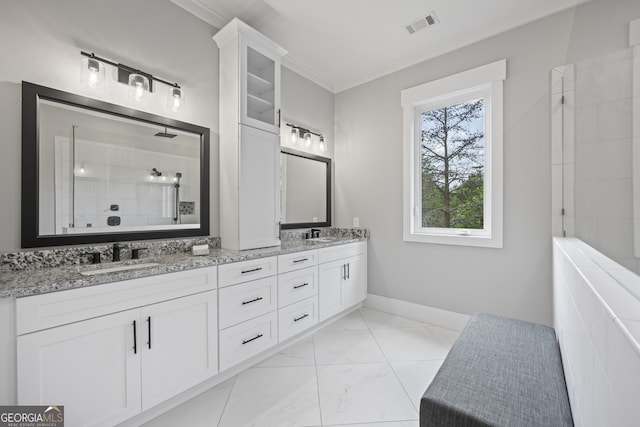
[261, 101]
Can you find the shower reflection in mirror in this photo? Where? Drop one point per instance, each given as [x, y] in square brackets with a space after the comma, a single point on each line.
[129, 176]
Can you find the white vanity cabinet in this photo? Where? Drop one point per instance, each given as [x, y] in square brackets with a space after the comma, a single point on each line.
[135, 350]
[179, 346]
[89, 367]
[249, 137]
[343, 278]
[248, 303]
[297, 293]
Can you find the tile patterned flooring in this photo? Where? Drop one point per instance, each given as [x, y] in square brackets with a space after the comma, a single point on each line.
[367, 369]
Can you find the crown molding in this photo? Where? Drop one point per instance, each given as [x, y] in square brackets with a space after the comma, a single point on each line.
[308, 73]
[204, 12]
[548, 8]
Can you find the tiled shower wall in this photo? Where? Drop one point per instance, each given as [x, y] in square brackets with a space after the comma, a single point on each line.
[595, 166]
[122, 177]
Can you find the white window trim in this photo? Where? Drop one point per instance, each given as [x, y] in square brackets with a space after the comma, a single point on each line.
[488, 78]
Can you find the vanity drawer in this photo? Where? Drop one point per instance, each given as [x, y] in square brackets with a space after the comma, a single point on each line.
[297, 285]
[247, 339]
[238, 272]
[245, 301]
[333, 253]
[297, 260]
[297, 317]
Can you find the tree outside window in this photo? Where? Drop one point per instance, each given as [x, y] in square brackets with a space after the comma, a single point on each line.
[452, 162]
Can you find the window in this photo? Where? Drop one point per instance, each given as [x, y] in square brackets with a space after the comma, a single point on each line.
[453, 159]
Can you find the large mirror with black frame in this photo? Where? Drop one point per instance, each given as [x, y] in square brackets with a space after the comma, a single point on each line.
[305, 189]
[96, 172]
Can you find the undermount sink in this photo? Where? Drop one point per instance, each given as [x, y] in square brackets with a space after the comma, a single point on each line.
[323, 239]
[119, 268]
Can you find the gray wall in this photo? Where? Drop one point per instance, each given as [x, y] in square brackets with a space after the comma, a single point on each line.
[309, 105]
[513, 281]
[41, 43]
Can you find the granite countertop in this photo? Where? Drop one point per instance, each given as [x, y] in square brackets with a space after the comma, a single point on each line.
[45, 280]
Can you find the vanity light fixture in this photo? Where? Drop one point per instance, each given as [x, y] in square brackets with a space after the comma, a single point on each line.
[307, 136]
[176, 97]
[307, 139]
[91, 71]
[139, 81]
[138, 85]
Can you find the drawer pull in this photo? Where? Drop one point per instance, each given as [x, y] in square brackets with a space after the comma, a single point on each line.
[251, 339]
[295, 261]
[149, 331]
[250, 301]
[300, 318]
[253, 270]
[135, 339]
[300, 286]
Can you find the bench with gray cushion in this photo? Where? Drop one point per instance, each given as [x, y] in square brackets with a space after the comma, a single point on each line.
[500, 372]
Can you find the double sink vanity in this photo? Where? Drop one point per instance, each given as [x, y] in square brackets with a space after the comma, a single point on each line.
[116, 342]
[130, 335]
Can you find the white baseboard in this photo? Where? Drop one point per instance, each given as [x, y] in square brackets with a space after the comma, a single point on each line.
[423, 313]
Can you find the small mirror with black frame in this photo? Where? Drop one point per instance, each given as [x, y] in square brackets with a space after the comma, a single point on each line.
[96, 172]
[305, 189]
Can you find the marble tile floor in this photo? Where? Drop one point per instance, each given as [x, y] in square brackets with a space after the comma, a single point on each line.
[367, 369]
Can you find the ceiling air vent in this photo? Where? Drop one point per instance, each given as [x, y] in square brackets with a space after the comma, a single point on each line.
[423, 22]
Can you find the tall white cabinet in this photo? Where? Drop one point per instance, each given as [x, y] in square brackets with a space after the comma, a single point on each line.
[249, 137]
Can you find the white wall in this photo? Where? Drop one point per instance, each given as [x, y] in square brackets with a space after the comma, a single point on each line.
[41, 43]
[598, 325]
[603, 155]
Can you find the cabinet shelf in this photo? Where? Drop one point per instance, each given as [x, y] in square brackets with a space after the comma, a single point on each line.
[257, 84]
[258, 104]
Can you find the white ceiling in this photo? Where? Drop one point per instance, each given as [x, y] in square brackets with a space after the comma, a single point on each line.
[340, 44]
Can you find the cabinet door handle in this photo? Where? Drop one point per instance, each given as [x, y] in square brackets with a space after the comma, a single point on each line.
[349, 270]
[252, 300]
[253, 270]
[278, 117]
[135, 339]
[300, 318]
[344, 271]
[149, 331]
[300, 286]
[251, 339]
[295, 261]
